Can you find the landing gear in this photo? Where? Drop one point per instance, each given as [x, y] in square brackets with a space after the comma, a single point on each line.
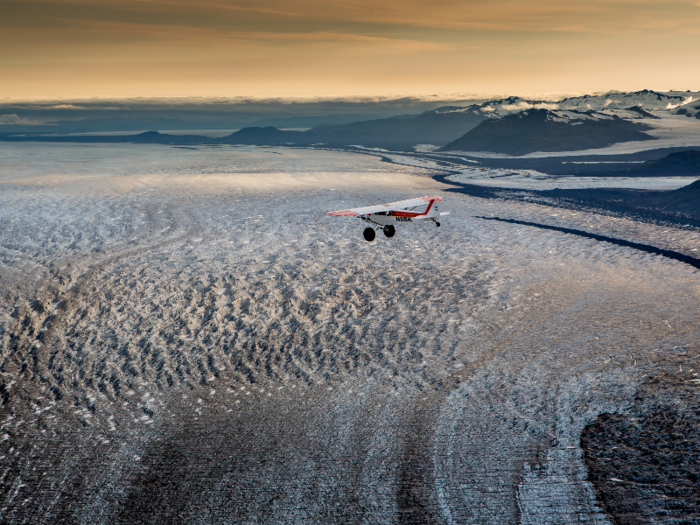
[369, 234]
[389, 230]
[437, 224]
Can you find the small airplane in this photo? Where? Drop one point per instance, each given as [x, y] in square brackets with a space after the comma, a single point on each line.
[384, 216]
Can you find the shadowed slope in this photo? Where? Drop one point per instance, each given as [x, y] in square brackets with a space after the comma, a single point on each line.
[543, 130]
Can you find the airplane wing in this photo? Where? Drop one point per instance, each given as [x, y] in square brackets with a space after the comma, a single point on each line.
[409, 205]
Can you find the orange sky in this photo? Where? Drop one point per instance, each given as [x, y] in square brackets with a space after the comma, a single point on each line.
[275, 48]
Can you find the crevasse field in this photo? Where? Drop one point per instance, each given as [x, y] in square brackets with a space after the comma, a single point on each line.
[186, 338]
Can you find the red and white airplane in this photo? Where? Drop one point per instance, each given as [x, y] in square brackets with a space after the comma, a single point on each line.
[384, 216]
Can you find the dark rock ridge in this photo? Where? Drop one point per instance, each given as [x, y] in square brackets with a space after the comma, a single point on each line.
[545, 130]
[584, 164]
[643, 113]
[684, 201]
[682, 163]
[681, 206]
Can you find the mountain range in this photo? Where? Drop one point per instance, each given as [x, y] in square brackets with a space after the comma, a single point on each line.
[512, 125]
[575, 123]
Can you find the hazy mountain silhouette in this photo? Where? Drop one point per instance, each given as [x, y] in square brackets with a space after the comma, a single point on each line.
[394, 133]
[403, 133]
[264, 136]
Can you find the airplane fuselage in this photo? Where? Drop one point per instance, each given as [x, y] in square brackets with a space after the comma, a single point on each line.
[385, 216]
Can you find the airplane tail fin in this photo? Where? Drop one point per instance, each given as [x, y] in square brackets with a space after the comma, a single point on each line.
[432, 213]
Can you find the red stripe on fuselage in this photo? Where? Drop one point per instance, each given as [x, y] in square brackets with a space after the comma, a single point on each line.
[411, 214]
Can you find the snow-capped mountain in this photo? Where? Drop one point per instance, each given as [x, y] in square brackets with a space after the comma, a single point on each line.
[646, 99]
[549, 130]
[497, 108]
[640, 104]
[690, 110]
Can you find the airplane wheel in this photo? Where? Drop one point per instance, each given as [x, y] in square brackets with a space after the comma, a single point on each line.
[369, 234]
[437, 224]
[389, 230]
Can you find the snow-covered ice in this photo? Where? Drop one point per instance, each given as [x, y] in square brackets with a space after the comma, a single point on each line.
[186, 335]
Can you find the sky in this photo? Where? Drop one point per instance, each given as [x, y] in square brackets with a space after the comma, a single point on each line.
[320, 48]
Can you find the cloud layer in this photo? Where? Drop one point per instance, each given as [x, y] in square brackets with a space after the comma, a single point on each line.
[14, 120]
[313, 47]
